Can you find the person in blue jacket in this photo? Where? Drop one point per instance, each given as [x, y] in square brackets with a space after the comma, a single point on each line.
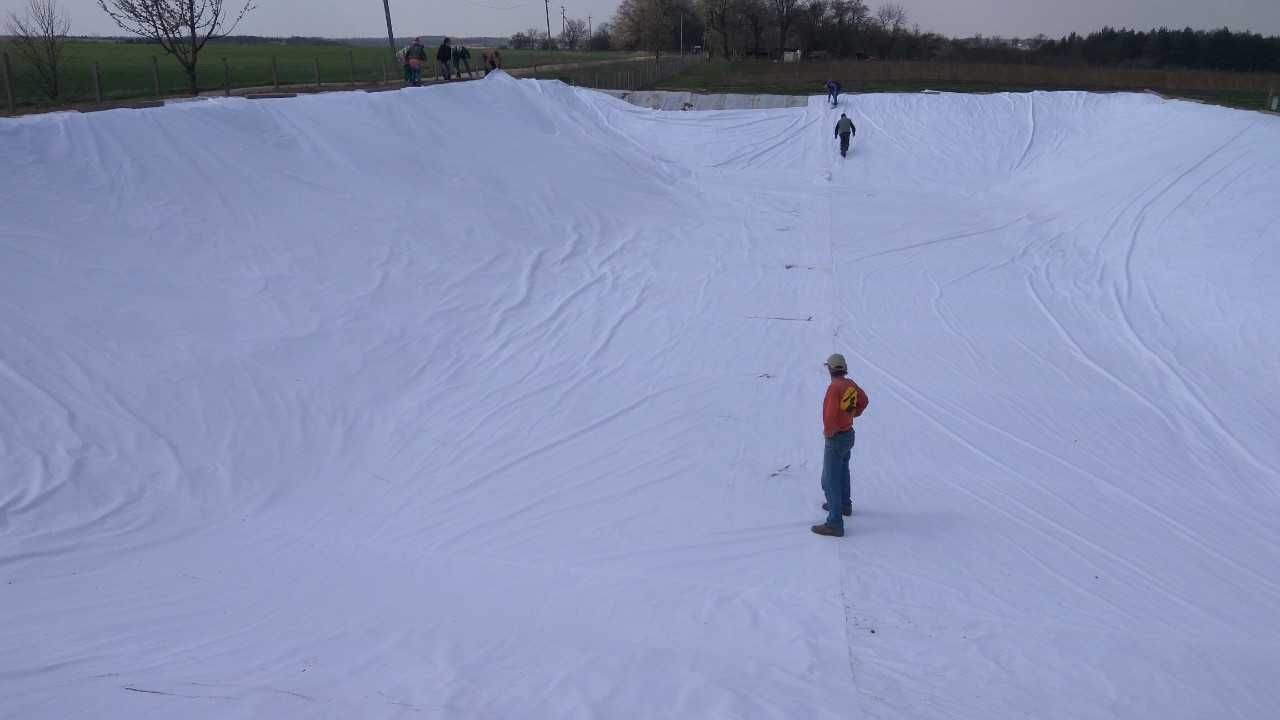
[833, 92]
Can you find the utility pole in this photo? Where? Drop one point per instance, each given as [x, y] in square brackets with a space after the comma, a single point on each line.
[391, 36]
[548, 4]
[562, 21]
[588, 26]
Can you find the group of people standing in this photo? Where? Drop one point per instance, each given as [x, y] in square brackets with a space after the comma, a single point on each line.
[451, 61]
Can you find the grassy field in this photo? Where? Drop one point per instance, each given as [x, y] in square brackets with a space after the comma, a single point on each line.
[808, 79]
[126, 70]
[127, 67]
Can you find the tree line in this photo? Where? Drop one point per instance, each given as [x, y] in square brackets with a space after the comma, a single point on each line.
[1219, 49]
[852, 29]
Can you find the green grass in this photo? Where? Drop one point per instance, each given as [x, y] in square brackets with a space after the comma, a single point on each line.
[127, 68]
[765, 78]
[1243, 101]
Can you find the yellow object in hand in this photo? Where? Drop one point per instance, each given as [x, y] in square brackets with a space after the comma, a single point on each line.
[849, 400]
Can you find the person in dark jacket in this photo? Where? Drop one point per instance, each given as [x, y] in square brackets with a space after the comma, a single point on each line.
[444, 56]
[464, 56]
[845, 130]
[833, 92]
[414, 56]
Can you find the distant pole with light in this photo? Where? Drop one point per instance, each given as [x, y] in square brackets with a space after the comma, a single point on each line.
[391, 36]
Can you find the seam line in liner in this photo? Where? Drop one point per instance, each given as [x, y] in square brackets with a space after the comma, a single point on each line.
[835, 333]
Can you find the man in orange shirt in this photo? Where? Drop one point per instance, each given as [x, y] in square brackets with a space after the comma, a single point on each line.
[844, 401]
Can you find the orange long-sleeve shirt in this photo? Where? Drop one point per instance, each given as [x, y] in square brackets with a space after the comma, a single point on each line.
[836, 418]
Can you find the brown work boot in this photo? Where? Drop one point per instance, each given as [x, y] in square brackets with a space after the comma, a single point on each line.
[825, 529]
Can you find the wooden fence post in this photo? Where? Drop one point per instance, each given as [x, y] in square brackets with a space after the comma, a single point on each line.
[97, 81]
[8, 85]
[351, 65]
[155, 74]
[226, 78]
[275, 73]
[317, 63]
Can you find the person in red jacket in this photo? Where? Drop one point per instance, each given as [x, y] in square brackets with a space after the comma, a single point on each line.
[843, 402]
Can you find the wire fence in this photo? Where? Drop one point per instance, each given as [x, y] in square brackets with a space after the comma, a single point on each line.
[147, 81]
[624, 75]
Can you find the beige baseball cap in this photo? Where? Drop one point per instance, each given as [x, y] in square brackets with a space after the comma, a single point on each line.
[836, 362]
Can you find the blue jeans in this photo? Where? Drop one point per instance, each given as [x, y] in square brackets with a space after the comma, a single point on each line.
[835, 476]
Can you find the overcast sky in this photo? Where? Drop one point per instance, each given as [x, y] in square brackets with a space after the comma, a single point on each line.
[349, 18]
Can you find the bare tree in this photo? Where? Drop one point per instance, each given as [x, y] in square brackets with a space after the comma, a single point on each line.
[784, 13]
[529, 39]
[575, 31]
[753, 15]
[812, 20]
[849, 21]
[181, 27]
[891, 17]
[40, 38]
[645, 24]
[602, 39]
[720, 19]
[890, 21]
